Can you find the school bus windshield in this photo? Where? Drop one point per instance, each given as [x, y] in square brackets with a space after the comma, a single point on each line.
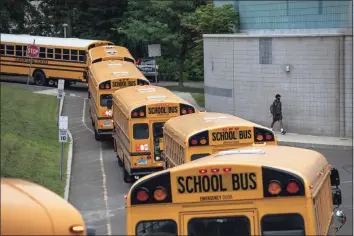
[201, 134]
[246, 191]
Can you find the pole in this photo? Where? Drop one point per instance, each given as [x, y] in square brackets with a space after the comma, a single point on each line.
[155, 70]
[30, 68]
[58, 111]
[61, 161]
[64, 31]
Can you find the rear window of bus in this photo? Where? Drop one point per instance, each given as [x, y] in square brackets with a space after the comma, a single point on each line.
[104, 99]
[141, 131]
[199, 155]
[283, 224]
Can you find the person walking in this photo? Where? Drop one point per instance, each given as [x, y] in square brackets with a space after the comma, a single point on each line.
[276, 111]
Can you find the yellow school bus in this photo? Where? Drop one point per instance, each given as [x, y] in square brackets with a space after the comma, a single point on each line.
[104, 79]
[270, 190]
[110, 52]
[30, 209]
[139, 114]
[187, 138]
[59, 58]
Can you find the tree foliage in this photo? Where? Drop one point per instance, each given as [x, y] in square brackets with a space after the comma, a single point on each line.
[177, 25]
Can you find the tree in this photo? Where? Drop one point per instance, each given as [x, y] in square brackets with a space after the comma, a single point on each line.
[85, 18]
[18, 16]
[177, 25]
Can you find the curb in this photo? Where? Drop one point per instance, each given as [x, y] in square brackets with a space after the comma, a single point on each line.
[315, 145]
[70, 156]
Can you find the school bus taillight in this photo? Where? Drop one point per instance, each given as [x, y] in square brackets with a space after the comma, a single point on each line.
[160, 194]
[105, 85]
[274, 187]
[142, 195]
[186, 109]
[262, 135]
[139, 112]
[199, 139]
[292, 187]
[77, 229]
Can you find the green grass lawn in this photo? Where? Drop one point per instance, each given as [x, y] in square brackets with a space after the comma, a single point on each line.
[197, 93]
[29, 138]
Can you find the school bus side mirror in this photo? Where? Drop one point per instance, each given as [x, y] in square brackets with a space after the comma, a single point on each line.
[337, 196]
[335, 180]
[109, 103]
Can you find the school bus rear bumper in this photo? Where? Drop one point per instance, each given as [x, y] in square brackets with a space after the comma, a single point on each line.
[107, 132]
[145, 171]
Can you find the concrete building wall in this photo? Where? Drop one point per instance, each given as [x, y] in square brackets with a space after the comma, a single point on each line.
[243, 73]
[285, 14]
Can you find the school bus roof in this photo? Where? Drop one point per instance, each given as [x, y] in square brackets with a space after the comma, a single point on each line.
[137, 96]
[50, 41]
[303, 162]
[28, 208]
[185, 126]
[105, 70]
[102, 52]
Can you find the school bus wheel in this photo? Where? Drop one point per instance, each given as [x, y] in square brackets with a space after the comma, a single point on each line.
[97, 136]
[39, 78]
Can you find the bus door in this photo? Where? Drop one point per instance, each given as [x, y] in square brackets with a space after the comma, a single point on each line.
[157, 139]
[230, 223]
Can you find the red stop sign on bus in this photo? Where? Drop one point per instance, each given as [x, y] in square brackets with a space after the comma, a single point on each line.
[32, 51]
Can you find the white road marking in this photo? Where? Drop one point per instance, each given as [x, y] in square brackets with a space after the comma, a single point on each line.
[104, 185]
[83, 117]
[346, 182]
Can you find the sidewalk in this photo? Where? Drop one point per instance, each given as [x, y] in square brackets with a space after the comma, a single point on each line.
[310, 141]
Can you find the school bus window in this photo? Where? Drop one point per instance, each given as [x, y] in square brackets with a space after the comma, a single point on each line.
[235, 225]
[66, 54]
[19, 50]
[2, 49]
[42, 52]
[25, 51]
[200, 155]
[73, 55]
[9, 50]
[160, 227]
[82, 56]
[283, 224]
[141, 131]
[104, 98]
[50, 53]
[58, 53]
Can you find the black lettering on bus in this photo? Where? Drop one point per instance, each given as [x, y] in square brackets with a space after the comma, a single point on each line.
[222, 136]
[244, 181]
[200, 184]
[181, 188]
[189, 190]
[162, 110]
[245, 134]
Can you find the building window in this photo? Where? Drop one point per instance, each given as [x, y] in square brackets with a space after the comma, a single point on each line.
[265, 51]
[320, 7]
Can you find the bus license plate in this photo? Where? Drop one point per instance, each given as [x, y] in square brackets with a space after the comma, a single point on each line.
[107, 123]
[142, 161]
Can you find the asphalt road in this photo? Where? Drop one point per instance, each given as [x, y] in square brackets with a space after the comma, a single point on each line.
[97, 189]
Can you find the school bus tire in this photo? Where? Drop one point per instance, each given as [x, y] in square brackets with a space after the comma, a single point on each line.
[39, 78]
[97, 136]
[126, 177]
